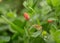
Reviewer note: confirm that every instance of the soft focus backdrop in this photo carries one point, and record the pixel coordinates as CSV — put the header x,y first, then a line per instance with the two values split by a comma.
x,y
29,21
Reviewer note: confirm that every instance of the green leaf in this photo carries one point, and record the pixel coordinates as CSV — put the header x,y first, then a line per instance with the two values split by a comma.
x,y
56,36
15,27
11,14
37,40
4,38
36,34
49,2
3,28
55,2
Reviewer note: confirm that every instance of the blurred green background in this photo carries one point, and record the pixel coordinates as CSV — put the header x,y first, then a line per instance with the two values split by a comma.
x,y
42,26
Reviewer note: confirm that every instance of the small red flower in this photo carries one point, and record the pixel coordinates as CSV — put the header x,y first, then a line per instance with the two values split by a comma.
x,y
26,16
50,21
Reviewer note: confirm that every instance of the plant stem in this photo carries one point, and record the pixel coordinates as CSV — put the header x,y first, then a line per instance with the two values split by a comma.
x,y
13,25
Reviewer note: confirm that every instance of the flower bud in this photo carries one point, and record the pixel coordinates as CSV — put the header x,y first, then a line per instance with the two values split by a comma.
x,y
26,16
50,21
44,33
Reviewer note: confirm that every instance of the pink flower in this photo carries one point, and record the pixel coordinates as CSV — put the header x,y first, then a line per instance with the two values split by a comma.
x,y
26,16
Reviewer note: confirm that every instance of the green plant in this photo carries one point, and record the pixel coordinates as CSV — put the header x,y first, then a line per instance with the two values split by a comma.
x,y
37,22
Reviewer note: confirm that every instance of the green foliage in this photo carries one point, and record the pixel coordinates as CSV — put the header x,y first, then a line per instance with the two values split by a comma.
x,y
43,25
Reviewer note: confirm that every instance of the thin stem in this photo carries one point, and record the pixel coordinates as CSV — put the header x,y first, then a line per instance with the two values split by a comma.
x,y
12,24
